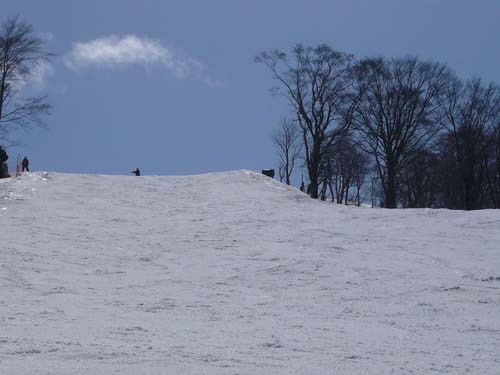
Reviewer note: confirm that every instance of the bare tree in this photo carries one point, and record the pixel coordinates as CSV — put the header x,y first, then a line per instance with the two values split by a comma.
x,y
337,171
286,140
21,50
344,167
399,113
494,166
472,112
317,83
361,168
420,180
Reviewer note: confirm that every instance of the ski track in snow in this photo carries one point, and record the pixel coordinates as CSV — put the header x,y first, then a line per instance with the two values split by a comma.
x,y
234,273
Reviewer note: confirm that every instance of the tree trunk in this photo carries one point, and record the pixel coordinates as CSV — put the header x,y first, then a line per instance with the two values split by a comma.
x,y
330,186
323,190
390,191
287,168
312,188
469,199
2,93
313,169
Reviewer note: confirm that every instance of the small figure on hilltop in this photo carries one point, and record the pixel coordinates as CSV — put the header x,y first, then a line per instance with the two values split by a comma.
x,y
137,172
25,163
4,169
3,155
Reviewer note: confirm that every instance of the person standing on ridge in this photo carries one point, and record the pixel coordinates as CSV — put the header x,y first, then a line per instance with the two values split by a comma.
x,y
25,163
4,169
137,172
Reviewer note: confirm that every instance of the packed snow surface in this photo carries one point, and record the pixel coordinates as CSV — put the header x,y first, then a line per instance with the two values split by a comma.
x,y
234,273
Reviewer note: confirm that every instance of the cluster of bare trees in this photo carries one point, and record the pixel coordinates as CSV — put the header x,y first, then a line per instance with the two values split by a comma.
x,y
429,138
343,172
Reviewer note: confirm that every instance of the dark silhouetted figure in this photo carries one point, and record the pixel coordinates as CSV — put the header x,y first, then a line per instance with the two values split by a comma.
x,y
4,169
137,172
3,155
25,163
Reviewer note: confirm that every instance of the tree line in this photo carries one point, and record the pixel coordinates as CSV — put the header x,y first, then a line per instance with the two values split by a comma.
x,y
421,135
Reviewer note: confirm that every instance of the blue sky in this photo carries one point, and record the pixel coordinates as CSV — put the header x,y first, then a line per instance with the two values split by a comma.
x,y
171,87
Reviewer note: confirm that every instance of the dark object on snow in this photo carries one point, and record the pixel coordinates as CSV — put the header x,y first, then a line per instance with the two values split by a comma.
x,y
268,172
3,155
25,163
4,170
137,172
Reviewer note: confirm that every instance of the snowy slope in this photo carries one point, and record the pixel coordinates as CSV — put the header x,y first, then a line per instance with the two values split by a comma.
x,y
233,273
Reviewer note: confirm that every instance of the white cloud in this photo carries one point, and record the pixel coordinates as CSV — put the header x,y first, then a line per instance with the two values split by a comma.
x,y
36,79
114,50
41,72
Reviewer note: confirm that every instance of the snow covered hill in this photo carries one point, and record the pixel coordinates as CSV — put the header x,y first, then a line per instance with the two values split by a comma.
x,y
234,273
